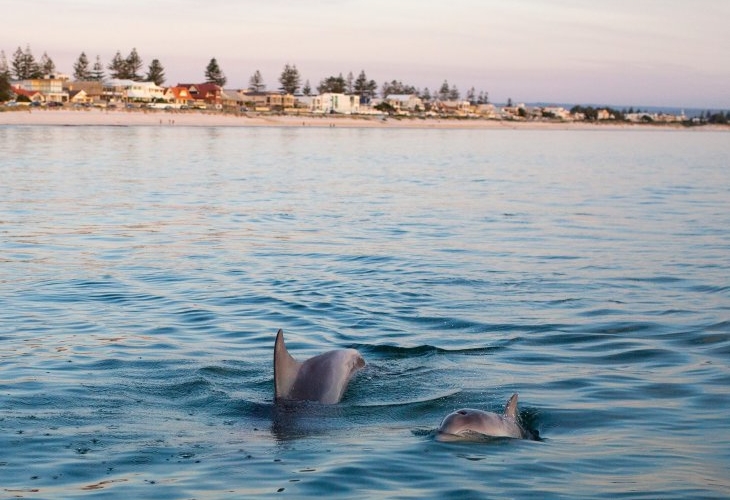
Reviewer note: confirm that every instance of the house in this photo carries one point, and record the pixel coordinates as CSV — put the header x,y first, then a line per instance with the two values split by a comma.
x,y
335,103
457,108
204,94
30,95
131,91
51,88
604,114
485,110
405,103
556,112
232,99
79,97
267,101
92,89
178,96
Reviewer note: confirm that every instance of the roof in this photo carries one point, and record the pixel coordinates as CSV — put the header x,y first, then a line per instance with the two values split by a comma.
x,y
26,93
401,97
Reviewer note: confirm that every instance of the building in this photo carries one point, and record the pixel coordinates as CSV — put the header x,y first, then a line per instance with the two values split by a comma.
x,y
456,108
405,103
178,96
28,96
267,101
93,89
128,91
204,94
50,88
334,103
79,97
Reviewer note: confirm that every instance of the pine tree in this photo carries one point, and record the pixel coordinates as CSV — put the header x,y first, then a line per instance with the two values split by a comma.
x,y
332,84
97,72
48,67
471,96
289,79
133,65
444,91
4,69
156,73
454,93
363,87
24,64
5,90
81,68
307,90
214,74
118,66
256,82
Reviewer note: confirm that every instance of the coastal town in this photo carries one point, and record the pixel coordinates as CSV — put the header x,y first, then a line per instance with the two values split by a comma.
x,y
60,92
33,84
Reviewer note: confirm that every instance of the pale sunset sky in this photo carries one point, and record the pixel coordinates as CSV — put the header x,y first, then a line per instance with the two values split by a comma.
x,y
613,52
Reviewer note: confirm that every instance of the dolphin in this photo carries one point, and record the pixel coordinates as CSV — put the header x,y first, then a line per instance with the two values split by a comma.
x,y
322,378
472,424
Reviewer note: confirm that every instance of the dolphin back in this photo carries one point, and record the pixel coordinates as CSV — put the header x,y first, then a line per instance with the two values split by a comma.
x,y
323,378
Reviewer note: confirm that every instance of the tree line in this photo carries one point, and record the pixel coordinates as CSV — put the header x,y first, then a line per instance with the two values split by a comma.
x,y
24,66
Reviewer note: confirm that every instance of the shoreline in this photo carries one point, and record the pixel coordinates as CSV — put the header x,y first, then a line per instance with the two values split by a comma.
x,y
137,117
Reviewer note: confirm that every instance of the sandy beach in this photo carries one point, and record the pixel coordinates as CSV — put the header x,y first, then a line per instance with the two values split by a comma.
x,y
136,117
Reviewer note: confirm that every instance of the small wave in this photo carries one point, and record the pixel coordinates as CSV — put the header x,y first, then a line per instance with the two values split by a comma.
x,y
391,351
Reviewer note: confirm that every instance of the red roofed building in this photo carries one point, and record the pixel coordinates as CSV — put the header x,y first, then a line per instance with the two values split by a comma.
x,y
203,93
178,95
31,95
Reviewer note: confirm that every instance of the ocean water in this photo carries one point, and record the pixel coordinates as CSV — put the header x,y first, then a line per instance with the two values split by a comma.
x,y
144,272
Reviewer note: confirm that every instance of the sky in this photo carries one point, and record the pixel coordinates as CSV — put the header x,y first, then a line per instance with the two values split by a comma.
x,y
609,52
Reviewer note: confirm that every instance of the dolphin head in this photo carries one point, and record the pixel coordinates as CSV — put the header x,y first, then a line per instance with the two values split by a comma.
x,y
467,423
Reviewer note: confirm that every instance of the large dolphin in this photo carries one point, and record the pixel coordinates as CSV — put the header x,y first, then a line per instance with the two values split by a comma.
x,y
469,424
322,378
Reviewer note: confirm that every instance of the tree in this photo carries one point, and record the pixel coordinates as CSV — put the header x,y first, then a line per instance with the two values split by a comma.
x,y
289,79
426,94
48,67
5,90
97,72
81,68
363,87
118,66
4,69
24,65
133,65
332,85
349,87
443,94
454,93
471,96
214,74
397,87
307,90
256,82
156,73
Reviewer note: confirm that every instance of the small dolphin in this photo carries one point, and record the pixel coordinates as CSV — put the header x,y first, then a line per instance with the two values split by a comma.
x,y
322,378
475,424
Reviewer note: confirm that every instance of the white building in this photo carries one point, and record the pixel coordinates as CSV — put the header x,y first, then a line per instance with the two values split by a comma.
x,y
334,103
131,91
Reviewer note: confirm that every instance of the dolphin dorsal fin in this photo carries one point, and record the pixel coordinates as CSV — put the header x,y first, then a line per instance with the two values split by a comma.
x,y
286,368
511,409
